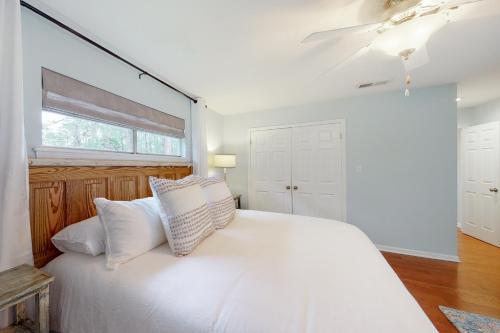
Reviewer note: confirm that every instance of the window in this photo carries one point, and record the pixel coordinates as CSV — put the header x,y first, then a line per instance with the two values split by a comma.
x,y
78,115
65,131
59,130
151,143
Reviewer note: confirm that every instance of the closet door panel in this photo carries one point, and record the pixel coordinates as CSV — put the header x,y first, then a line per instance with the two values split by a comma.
x,y
303,171
270,173
317,172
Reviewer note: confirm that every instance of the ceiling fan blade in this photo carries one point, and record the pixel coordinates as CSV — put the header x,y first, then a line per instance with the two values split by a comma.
x,y
361,47
457,3
347,60
337,33
462,15
382,10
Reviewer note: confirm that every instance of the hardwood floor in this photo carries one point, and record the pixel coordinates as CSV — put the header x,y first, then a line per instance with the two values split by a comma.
x,y
472,285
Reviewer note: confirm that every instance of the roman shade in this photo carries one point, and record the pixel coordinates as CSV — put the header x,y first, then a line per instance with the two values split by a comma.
x,y
64,94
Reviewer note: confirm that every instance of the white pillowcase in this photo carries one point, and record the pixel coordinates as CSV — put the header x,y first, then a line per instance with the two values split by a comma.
x,y
219,199
131,228
184,213
85,237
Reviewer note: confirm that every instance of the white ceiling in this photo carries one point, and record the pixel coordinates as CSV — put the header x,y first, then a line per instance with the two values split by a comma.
x,y
480,88
246,55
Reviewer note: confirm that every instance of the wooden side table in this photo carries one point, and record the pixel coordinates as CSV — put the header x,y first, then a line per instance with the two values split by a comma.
x,y
17,285
237,200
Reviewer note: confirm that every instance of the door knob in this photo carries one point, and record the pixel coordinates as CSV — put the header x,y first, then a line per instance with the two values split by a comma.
x,y
295,188
288,187
494,190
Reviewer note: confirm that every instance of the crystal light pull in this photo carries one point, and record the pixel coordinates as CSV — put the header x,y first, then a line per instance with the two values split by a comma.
x,y
407,83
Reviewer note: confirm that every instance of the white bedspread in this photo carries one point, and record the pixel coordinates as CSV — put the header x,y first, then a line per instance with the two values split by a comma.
x,y
265,272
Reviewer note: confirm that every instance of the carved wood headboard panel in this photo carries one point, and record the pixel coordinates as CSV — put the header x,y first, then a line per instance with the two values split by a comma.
x,y
62,195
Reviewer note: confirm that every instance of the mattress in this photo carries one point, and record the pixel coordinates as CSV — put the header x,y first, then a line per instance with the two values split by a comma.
x,y
265,272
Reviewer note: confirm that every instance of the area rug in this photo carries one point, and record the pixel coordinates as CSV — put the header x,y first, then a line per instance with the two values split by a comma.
x,y
468,322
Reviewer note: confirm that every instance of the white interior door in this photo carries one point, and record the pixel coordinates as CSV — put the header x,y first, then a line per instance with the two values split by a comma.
x,y
270,171
317,171
481,173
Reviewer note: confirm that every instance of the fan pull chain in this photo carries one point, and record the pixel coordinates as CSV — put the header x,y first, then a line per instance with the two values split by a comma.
x,y
407,83
405,55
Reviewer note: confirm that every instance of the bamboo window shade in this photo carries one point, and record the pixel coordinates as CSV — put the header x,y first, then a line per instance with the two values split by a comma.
x,y
64,94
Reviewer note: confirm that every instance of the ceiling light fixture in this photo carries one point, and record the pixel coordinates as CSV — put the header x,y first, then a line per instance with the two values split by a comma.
x,y
405,41
414,34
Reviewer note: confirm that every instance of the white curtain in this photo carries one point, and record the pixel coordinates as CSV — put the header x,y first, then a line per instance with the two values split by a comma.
x,y
199,138
15,236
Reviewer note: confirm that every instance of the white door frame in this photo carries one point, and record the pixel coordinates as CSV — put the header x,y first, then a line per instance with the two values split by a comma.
x,y
462,168
340,122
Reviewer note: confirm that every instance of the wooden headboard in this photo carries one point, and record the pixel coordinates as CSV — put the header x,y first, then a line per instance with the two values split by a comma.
x,y
62,195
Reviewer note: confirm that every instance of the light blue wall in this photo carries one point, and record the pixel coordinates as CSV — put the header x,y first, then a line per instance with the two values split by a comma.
x,y
406,194
46,45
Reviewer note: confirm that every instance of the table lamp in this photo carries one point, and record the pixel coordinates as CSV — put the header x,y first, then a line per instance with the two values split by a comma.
x,y
225,161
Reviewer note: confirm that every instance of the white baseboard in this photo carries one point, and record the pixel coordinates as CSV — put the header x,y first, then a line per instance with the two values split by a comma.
x,y
459,225
417,253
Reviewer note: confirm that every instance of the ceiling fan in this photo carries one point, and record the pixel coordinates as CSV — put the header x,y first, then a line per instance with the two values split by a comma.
x,y
427,16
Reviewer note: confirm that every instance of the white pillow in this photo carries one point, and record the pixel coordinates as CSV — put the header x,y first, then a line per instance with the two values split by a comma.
x,y
85,237
184,213
219,199
131,228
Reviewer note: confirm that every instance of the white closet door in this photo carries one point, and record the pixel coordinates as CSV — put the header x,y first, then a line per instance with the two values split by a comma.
x,y
481,200
270,172
317,171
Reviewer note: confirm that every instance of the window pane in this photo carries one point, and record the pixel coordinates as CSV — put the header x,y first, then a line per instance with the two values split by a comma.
x,y
150,143
60,130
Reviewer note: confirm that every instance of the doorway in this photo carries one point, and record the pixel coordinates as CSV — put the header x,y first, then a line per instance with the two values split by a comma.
x,y
479,167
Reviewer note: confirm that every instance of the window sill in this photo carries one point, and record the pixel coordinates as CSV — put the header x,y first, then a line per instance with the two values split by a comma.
x,y
80,157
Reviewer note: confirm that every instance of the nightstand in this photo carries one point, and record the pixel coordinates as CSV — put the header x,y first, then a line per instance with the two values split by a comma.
x,y
237,201
17,285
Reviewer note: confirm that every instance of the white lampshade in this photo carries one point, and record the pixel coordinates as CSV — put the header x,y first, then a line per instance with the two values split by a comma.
x,y
411,35
225,161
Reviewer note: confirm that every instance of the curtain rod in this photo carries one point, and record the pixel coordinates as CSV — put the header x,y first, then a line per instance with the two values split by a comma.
x,y
99,46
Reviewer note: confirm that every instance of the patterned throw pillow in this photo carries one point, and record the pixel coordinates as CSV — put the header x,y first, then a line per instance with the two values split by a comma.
x,y
184,213
219,198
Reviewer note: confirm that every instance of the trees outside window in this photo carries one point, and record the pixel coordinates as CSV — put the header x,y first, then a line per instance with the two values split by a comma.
x,y
61,130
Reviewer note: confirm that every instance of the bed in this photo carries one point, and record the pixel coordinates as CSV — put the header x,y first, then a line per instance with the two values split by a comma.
x,y
265,272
